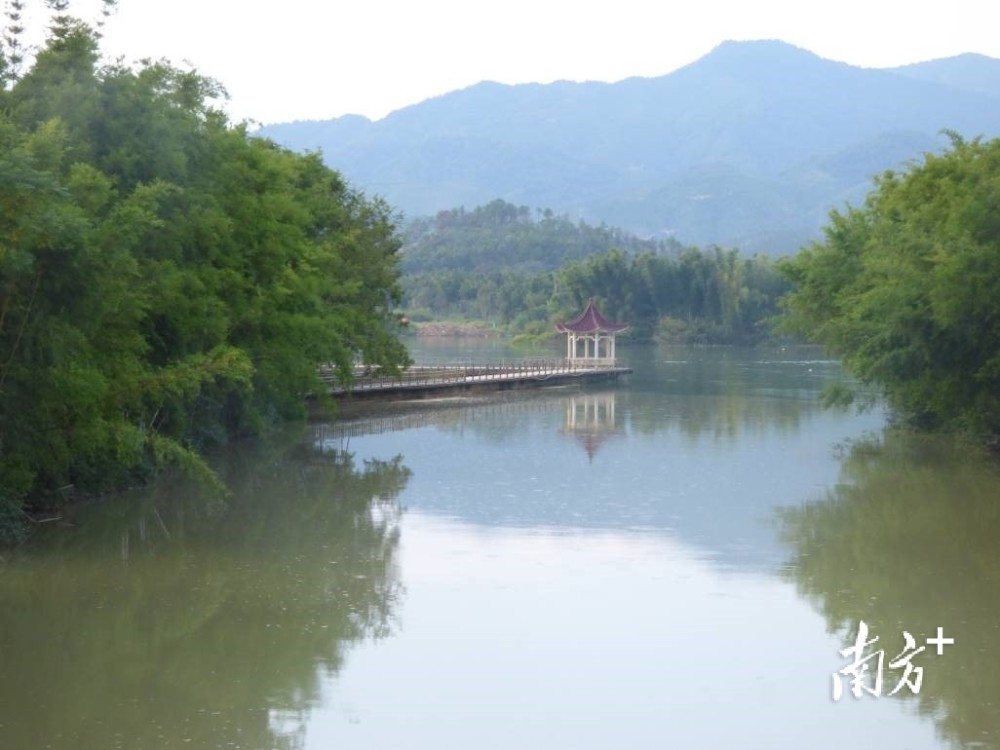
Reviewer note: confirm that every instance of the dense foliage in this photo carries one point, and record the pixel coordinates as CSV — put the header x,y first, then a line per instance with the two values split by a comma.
x,y
904,289
690,295
166,281
708,295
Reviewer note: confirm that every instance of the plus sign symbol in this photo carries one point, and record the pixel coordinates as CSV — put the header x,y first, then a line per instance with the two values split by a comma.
x,y
940,641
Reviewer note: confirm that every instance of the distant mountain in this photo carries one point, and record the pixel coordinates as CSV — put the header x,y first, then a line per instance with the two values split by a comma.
x,y
974,73
750,146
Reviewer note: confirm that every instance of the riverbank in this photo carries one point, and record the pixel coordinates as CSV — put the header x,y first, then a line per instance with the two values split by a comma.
x,y
434,329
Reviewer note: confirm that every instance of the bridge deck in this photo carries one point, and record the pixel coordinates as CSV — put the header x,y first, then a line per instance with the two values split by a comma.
x,y
418,380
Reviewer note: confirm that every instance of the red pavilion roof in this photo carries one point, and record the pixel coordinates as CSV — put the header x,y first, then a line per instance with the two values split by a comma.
x,y
590,321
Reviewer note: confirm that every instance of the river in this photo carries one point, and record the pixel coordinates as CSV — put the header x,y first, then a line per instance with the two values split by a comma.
x,y
684,559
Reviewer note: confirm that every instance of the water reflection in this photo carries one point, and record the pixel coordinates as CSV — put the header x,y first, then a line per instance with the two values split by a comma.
x,y
555,595
712,394
214,628
590,418
591,639
908,541
724,394
696,442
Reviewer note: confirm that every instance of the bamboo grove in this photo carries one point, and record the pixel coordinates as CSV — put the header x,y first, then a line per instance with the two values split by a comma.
x,y
167,282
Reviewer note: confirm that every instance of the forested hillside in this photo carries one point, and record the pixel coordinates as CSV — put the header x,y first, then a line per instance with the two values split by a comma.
x,y
166,281
519,270
501,235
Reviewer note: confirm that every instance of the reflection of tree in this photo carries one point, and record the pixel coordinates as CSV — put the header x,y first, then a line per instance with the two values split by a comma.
x,y
494,416
204,629
909,542
722,393
718,394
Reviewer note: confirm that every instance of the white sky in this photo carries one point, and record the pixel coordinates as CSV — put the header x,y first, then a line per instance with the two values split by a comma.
x,y
306,59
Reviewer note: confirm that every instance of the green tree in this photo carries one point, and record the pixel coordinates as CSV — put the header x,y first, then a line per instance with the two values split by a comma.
x,y
167,282
904,289
708,295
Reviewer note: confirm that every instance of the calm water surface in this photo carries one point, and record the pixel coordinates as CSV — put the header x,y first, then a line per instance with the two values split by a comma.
x,y
672,562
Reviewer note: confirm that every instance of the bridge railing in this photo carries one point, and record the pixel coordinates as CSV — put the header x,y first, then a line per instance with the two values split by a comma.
x,y
417,376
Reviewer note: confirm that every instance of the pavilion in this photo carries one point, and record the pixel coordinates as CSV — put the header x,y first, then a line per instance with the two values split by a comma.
x,y
595,332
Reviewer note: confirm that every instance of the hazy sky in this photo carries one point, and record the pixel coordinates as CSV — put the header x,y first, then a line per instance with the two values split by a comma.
x,y
306,59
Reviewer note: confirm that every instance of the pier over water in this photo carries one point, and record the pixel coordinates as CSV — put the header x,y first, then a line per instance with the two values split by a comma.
x,y
420,381
590,356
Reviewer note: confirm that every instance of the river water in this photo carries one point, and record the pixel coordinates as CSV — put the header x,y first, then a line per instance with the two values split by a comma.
x,y
675,561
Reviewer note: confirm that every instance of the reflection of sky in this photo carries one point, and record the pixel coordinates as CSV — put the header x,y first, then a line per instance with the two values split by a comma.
x,y
513,637
621,599
524,469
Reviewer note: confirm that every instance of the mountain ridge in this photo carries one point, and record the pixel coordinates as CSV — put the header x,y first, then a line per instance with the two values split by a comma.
x,y
762,113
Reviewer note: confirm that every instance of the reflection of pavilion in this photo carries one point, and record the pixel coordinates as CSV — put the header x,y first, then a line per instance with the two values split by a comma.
x,y
590,418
